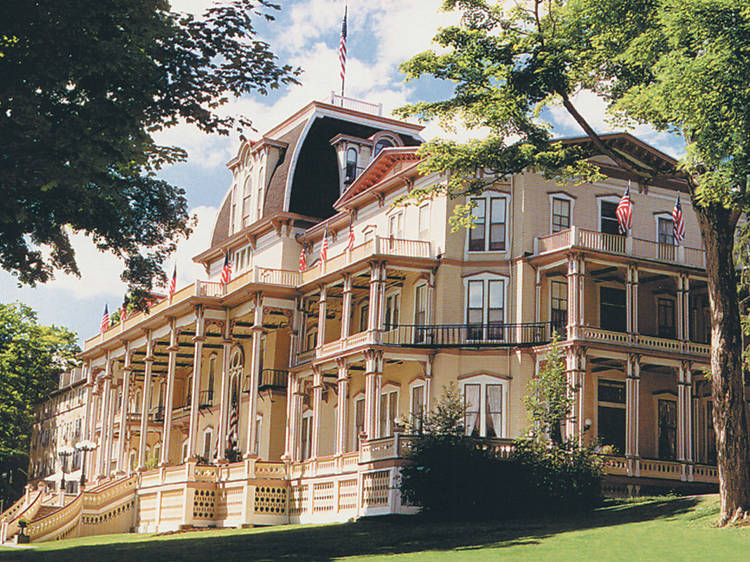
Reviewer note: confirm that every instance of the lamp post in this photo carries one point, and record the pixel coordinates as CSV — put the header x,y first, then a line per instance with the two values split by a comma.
x,y
84,446
64,453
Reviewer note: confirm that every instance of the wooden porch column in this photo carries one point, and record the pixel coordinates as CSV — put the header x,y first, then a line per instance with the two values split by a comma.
x,y
576,374
686,308
632,406
110,425
127,371
317,399
538,297
104,415
430,298
634,301
372,317
342,406
89,403
146,400
322,309
629,300
346,307
573,278
252,395
428,384
289,431
296,426
226,348
381,299
372,394
169,394
196,387
685,413
679,312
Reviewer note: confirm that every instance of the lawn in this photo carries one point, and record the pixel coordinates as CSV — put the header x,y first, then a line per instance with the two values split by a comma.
x,y
646,529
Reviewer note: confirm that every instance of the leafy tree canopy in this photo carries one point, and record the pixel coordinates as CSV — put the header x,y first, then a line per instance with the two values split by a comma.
x,y
32,356
681,66
85,86
548,400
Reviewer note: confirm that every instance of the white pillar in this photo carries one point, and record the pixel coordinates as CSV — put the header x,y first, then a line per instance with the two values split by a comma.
x,y
684,414
221,440
573,279
632,406
372,319
255,361
686,307
317,402
127,371
196,386
146,400
104,416
372,394
169,394
346,307
538,297
112,396
342,407
634,300
322,310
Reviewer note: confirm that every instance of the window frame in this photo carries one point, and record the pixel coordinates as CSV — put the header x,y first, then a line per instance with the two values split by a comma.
x,y
413,386
484,381
606,199
486,279
488,198
571,206
387,391
423,222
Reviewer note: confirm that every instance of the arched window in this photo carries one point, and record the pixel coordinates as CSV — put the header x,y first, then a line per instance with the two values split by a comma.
x,y
351,165
236,367
208,451
381,144
247,201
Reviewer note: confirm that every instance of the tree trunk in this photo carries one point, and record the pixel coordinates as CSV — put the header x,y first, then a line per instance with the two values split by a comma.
x,y
729,416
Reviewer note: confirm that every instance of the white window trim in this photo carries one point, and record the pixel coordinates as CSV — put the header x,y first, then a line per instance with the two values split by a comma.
x,y
484,380
661,215
429,220
599,200
392,293
307,414
387,390
549,294
357,397
487,195
212,445
416,383
484,277
564,197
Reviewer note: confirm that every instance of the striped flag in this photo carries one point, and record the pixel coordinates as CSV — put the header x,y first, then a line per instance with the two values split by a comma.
x,y
678,222
302,259
232,437
124,309
324,247
105,319
342,52
173,282
350,242
625,212
226,271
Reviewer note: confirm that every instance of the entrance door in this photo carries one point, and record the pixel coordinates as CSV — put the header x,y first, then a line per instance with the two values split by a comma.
x,y
667,430
611,414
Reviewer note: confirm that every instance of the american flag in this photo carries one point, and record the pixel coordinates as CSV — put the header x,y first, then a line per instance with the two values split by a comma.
x,y
625,212
105,319
124,309
302,259
226,271
342,51
678,222
233,422
324,247
173,282
350,243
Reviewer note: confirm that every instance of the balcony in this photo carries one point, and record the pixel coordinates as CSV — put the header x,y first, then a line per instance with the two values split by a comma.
x,y
392,247
651,343
270,379
467,335
585,239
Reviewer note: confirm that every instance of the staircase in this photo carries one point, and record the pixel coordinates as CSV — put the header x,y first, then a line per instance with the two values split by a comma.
x,y
108,507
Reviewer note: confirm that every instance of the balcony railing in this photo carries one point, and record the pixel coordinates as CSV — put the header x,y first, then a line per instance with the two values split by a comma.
x,y
270,379
467,335
576,237
655,343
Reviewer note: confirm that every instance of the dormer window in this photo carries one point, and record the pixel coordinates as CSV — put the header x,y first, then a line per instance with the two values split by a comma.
x,y
381,144
351,165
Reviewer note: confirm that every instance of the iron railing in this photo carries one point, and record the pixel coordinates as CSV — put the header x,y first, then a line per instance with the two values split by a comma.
x,y
467,335
269,379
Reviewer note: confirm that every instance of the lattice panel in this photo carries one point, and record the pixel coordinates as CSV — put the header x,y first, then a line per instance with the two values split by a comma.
x,y
348,494
323,497
375,488
270,500
298,500
204,504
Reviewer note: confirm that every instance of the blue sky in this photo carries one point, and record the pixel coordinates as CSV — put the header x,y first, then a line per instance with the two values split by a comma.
x,y
306,33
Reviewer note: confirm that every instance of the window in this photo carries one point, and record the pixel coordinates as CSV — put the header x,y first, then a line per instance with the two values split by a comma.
x,y
211,369
388,412
207,437
351,165
369,234
608,222
381,144
364,316
488,233
665,232
665,317
247,201
485,308
667,429
391,311
424,222
306,434
420,313
612,309
258,430
483,402
417,406
559,309
395,225
611,414
311,339
562,207
259,195
359,419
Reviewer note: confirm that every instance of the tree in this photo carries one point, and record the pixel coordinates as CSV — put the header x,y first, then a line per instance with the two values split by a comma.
x,y
86,84
548,399
681,66
32,356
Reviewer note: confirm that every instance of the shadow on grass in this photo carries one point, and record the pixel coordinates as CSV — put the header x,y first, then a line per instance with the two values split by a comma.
x,y
376,536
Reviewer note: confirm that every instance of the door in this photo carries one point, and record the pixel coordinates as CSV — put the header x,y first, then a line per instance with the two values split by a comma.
x,y
667,429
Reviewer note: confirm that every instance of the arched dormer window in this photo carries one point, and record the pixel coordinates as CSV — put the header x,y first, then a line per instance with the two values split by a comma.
x,y
351,165
381,144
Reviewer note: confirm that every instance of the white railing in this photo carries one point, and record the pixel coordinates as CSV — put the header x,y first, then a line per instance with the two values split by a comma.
x,y
593,334
355,104
277,276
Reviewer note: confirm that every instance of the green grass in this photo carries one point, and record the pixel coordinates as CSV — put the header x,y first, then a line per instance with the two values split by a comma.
x,y
659,528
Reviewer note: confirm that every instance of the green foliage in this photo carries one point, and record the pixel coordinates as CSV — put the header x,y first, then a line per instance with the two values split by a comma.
x,y
86,86
152,461
447,418
32,356
548,398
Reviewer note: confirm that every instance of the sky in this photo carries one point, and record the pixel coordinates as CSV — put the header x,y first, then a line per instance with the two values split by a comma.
x,y
305,33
